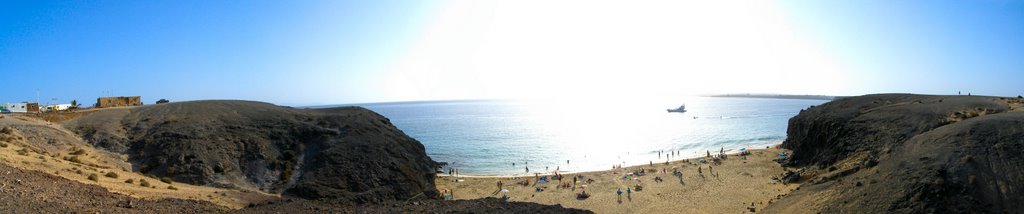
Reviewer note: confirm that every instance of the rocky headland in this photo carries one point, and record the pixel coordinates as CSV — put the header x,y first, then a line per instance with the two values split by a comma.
x,y
904,153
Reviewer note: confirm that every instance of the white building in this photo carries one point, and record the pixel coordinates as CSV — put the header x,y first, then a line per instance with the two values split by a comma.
x,y
58,107
20,107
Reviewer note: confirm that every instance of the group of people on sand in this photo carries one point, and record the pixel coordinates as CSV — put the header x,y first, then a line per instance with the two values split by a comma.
x,y
577,180
629,194
447,194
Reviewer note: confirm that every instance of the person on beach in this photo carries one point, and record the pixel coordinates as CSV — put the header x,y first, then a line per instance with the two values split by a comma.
x,y
527,169
629,194
499,186
651,163
700,172
619,192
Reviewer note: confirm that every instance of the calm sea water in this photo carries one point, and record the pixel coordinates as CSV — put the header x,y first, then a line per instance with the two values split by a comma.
x,y
487,137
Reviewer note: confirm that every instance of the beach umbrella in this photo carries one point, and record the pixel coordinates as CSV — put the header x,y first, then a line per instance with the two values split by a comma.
x,y
743,149
504,190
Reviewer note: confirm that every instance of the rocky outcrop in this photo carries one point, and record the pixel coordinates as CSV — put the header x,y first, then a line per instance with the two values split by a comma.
x,y
907,154
348,153
828,133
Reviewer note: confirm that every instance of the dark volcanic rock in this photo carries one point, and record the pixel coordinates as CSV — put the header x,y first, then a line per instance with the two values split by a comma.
x,y
908,154
347,153
828,133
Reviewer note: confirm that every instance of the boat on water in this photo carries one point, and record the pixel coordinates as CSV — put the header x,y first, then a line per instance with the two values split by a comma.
x,y
681,109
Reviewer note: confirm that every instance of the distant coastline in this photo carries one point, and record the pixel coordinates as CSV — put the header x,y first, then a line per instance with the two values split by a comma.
x,y
779,96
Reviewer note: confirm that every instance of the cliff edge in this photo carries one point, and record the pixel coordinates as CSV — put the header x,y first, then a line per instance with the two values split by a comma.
x,y
907,153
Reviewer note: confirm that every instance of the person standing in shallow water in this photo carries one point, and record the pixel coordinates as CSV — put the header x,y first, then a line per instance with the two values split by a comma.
x,y
527,169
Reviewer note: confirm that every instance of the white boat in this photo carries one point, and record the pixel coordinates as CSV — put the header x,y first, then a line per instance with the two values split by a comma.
x,y
681,109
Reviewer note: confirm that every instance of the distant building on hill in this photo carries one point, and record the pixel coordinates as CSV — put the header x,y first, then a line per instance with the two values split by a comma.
x,y
104,102
58,107
25,107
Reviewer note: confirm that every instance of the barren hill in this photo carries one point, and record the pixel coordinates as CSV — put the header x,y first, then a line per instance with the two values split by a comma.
x,y
908,154
345,153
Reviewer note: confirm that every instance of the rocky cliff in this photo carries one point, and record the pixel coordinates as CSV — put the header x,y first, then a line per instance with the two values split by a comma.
x,y
907,154
349,154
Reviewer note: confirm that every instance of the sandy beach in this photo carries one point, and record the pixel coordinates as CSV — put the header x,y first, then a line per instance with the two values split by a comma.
x,y
733,186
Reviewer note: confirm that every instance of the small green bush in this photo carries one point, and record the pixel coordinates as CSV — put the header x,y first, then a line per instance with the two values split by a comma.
x,y
111,175
129,181
94,177
172,188
4,145
143,183
166,180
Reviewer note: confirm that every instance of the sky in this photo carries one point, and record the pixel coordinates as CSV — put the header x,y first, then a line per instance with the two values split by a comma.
x,y
304,53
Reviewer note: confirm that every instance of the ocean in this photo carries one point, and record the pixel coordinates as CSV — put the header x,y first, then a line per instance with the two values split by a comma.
x,y
485,137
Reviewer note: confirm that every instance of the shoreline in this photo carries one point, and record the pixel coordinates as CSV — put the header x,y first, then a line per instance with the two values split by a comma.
x,y
728,152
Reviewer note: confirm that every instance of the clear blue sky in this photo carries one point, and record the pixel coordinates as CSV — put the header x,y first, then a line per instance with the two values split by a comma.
x,y
328,52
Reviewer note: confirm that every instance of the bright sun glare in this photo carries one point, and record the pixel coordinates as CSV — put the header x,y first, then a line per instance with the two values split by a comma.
x,y
517,49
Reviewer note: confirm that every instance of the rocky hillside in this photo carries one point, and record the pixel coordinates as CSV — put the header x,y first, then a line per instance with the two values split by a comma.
x,y
348,154
907,154
26,191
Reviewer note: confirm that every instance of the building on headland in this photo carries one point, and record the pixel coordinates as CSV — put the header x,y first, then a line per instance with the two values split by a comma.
x,y
58,107
104,102
25,107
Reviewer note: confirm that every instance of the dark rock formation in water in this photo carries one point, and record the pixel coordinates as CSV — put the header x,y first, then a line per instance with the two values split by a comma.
x,y
907,154
347,153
